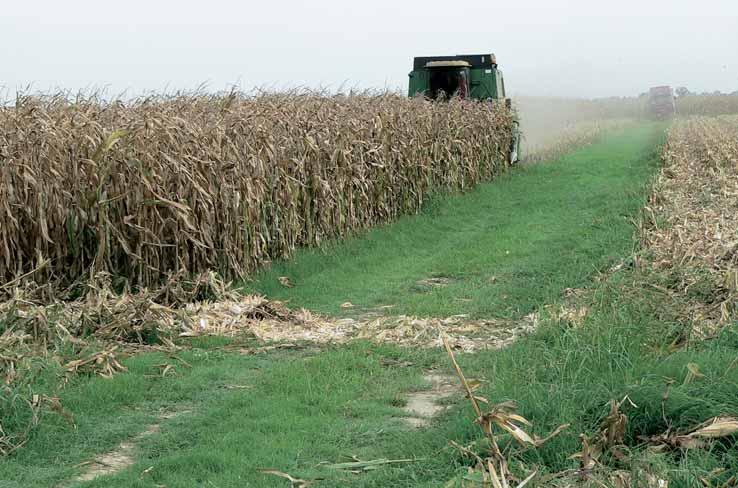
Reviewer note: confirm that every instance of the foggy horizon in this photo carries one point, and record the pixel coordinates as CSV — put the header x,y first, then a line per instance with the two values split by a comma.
x,y
567,49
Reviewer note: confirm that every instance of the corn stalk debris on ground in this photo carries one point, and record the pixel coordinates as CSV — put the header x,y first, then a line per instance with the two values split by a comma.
x,y
690,228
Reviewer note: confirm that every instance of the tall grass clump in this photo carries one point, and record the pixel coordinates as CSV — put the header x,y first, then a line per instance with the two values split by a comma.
x,y
144,188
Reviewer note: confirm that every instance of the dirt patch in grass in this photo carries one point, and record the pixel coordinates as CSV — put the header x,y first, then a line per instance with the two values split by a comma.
x,y
435,282
123,456
117,460
423,405
432,283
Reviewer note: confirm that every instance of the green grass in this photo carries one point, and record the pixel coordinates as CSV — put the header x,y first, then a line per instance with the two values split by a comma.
x,y
237,413
564,374
506,246
293,410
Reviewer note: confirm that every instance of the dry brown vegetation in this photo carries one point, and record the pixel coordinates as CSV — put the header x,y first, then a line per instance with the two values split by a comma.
x,y
717,104
193,183
693,225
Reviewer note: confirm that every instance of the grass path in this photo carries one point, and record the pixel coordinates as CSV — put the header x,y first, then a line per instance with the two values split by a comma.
x,y
503,248
294,410
234,414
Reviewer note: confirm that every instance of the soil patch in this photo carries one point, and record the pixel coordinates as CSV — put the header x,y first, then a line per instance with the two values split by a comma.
x,y
431,283
123,456
117,460
423,405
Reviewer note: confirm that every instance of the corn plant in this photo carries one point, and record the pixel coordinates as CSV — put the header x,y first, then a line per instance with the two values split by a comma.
x,y
188,183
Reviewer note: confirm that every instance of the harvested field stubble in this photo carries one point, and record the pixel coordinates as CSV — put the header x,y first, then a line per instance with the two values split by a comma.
x,y
195,183
692,221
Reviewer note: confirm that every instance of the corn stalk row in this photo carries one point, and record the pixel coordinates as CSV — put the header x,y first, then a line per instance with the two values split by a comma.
x,y
143,189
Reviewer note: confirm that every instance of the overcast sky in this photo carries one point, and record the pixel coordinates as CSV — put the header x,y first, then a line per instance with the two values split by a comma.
x,y
583,48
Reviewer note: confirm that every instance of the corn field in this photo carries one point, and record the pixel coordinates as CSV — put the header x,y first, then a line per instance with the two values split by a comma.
x,y
707,105
189,183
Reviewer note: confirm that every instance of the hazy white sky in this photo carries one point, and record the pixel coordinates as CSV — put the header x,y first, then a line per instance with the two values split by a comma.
x,y
569,48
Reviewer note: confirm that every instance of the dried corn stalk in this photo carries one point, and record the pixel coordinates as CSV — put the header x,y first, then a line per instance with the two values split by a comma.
x,y
691,227
194,182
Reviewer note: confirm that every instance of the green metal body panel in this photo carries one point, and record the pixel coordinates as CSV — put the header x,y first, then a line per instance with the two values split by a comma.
x,y
485,84
419,82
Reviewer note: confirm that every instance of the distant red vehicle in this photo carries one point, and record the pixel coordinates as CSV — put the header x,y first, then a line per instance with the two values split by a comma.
x,y
661,102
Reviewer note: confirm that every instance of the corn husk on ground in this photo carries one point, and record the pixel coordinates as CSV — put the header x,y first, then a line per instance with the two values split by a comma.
x,y
195,183
208,307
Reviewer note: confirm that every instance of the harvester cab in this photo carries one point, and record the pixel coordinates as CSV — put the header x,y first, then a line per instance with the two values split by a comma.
x,y
472,76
